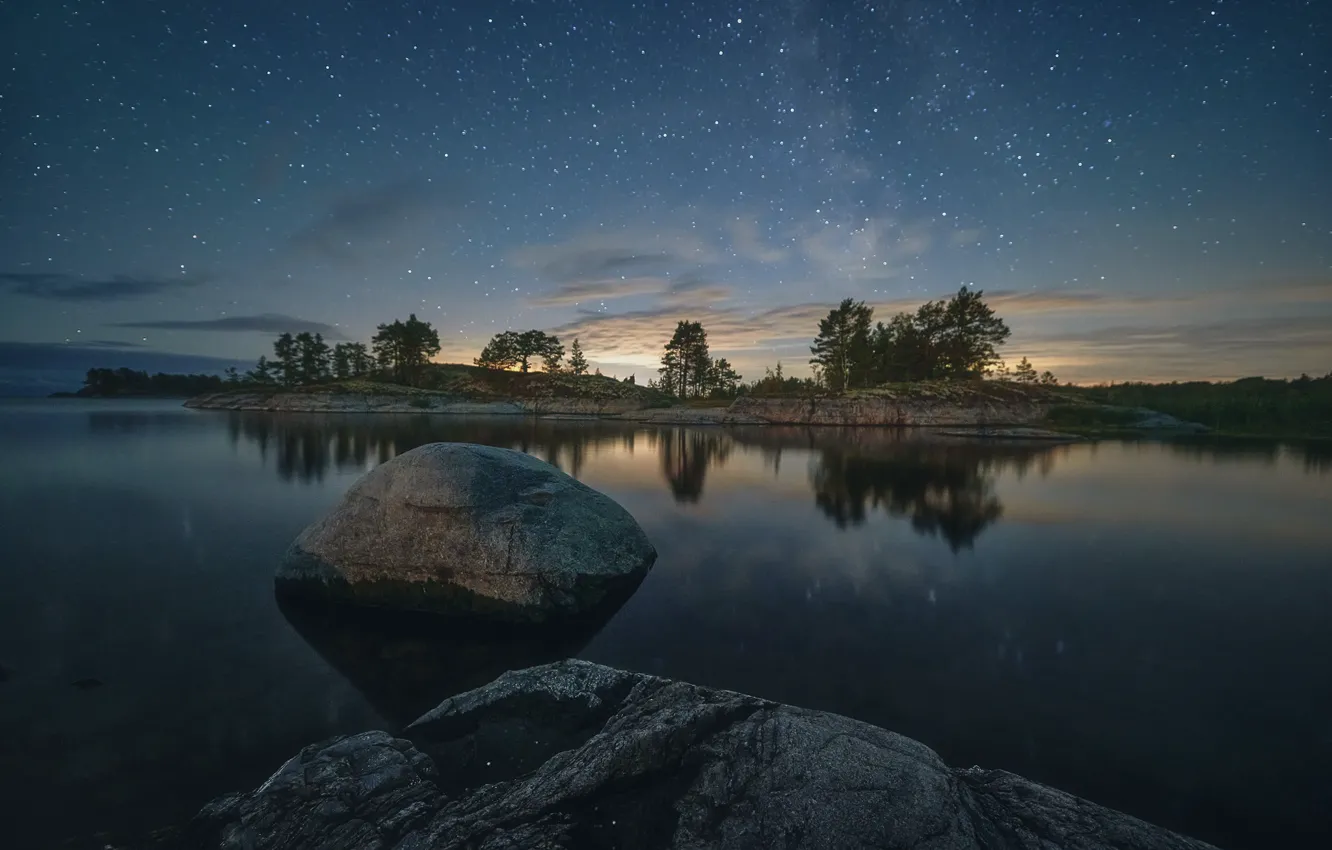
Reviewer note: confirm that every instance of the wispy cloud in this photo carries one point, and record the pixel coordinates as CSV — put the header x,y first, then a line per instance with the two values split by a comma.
x,y
580,292
599,263
265,323
1273,346
28,357
870,249
601,267
65,287
362,223
748,244
965,236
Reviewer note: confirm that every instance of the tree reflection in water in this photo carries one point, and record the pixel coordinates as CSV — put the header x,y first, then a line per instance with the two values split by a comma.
x,y
945,490
686,455
306,447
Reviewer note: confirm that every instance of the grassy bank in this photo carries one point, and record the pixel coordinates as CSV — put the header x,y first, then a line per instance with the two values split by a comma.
x,y
1257,407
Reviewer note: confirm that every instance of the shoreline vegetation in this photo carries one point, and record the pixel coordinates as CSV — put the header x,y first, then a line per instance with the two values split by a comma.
x,y
937,366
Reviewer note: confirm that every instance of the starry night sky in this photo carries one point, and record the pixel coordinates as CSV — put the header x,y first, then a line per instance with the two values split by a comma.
x,y
1143,189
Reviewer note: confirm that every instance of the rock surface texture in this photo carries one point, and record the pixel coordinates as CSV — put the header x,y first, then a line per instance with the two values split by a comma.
x,y
970,409
415,403
455,528
575,755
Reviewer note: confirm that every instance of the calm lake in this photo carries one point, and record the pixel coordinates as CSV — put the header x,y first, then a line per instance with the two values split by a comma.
x,y
1148,625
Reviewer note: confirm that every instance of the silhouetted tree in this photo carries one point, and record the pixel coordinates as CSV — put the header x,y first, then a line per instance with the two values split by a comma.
x,y
341,362
723,380
549,349
1024,373
577,362
775,383
905,348
262,373
957,338
970,335
128,382
312,357
842,348
501,352
359,359
510,348
405,347
685,362
288,360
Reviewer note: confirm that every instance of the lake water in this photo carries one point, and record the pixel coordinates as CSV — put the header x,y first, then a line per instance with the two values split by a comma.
x,y
1148,625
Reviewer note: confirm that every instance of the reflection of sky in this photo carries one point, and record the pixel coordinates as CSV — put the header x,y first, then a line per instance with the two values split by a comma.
x,y
1117,631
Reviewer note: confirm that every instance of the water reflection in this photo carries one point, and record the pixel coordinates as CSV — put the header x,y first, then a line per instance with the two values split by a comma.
x,y
686,456
944,487
404,668
305,448
945,490
1137,627
1212,449
1318,456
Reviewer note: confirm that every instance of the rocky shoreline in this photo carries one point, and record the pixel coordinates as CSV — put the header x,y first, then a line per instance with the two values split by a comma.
x,y
574,754
970,409
975,411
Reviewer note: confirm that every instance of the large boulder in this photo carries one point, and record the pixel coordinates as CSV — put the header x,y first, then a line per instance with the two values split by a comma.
x,y
455,528
576,755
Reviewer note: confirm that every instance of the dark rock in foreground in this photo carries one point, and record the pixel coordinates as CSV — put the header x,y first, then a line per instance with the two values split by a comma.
x,y
455,528
575,755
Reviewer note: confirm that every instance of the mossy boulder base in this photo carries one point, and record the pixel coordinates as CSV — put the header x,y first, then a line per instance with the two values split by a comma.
x,y
455,528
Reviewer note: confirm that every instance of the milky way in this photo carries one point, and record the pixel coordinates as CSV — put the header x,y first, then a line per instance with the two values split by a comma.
x,y
1142,187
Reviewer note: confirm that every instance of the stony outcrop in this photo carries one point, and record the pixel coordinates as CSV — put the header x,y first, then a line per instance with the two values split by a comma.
x,y
961,406
409,402
575,755
455,528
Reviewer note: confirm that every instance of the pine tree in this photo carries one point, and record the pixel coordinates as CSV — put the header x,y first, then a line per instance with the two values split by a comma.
x,y
685,363
405,348
262,373
342,361
971,336
577,362
723,380
288,364
842,348
1025,373
359,359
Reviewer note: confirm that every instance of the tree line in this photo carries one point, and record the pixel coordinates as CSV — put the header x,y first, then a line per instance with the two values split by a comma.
x,y
103,383
942,340
956,338
512,349
1299,407
399,350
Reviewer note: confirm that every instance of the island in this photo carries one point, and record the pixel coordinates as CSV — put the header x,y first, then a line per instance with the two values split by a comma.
x,y
994,409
